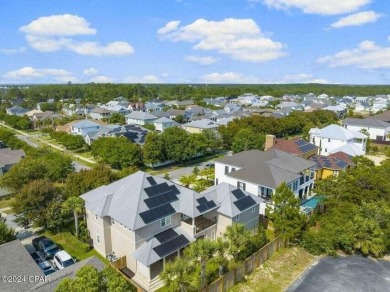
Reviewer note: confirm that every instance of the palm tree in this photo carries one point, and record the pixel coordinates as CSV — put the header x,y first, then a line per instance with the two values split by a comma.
x,y
202,250
221,247
237,236
187,180
76,205
178,275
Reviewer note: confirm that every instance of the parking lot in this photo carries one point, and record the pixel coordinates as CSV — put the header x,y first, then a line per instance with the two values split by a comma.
x,y
347,274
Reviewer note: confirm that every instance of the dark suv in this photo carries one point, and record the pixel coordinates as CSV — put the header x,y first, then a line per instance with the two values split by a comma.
x,y
45,247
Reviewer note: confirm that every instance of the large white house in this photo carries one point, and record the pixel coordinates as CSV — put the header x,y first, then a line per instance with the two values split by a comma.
x,y
334,138
377,130
261,172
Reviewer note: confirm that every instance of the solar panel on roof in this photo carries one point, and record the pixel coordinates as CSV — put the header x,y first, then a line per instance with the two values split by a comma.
x,y
300,142
151,181
206,206
326,164
157,189
245,203
166,235
202,200
238,194
307,147
342,163
171,246
155,201
157,213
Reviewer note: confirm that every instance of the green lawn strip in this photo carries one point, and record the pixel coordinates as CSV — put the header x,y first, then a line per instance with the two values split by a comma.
x,y
6,201
8,211
77,249
279,272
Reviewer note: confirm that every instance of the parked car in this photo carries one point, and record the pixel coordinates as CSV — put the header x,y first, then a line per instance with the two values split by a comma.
x,y
35,256
209,165
45,247
46,267
62,260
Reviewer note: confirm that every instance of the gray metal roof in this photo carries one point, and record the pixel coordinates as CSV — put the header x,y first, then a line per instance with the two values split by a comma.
x,y
140,116
369,122
222,195
10,157
146,254
16,261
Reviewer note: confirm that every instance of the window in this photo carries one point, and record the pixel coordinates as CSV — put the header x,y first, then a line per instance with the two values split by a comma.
x,y
226,169
233,169
295,185
97,238
212,236
241,185
96,217
326,149
112,221
165,221
253,209
237,217
336,173
329,140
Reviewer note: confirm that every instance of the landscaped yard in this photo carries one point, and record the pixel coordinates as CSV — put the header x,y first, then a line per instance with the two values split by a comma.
x,y
278,272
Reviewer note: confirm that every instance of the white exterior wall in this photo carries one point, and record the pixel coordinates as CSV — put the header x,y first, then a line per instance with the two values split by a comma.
x,y
374,132
96,228
326,144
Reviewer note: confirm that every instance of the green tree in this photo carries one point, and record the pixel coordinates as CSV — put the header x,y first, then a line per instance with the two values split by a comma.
x,y
187,180
32,202
6,233
285,214
119,152
115,282
74,204
202,250
179,277
247,139
78,183
117,118
175,144
237,236
153,149
87,278
221,249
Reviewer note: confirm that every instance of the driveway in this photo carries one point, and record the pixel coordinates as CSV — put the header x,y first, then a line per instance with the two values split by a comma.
x,y
346,274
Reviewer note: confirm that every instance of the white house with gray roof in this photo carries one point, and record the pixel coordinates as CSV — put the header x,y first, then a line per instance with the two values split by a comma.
x,y
261,172
150,220
334,138
377,129
140,118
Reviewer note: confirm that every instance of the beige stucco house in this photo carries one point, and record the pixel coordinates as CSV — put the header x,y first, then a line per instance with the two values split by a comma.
x,y
150,220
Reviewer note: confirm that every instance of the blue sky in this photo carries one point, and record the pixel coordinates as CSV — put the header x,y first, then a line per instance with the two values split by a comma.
x,y
195,41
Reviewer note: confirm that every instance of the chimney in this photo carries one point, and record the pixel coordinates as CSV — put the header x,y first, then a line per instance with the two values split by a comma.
x,y
269,141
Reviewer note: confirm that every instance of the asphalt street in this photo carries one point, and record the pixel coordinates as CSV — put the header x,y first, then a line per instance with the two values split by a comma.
x,y
346,274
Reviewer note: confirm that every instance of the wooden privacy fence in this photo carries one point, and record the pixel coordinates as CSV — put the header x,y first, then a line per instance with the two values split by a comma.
x,y
232,277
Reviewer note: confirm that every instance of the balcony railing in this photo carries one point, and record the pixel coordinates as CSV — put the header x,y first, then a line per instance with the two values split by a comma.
x,y
201,223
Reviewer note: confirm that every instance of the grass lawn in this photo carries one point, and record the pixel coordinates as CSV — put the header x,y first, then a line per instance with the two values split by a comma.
x,y
76,248
278,272
6,201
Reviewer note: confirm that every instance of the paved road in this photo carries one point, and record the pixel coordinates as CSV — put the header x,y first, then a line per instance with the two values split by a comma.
x,y
346,274
175,175
27,140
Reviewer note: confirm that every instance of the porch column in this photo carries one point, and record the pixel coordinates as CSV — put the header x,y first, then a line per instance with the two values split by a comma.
x,y
193,227
163,263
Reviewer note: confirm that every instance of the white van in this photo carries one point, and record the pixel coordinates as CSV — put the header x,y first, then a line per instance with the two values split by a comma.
x,y
62,260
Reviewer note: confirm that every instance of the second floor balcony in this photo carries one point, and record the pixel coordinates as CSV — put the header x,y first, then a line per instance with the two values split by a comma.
x,y
199,223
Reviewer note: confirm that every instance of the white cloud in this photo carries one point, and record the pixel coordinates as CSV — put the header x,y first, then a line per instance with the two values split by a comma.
x,y
303,78
230,77
324,7
238,78
90,71
367,55
143,79
240,39
58,25
12,51
29,73
54,33
102,79
201,60
357,19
